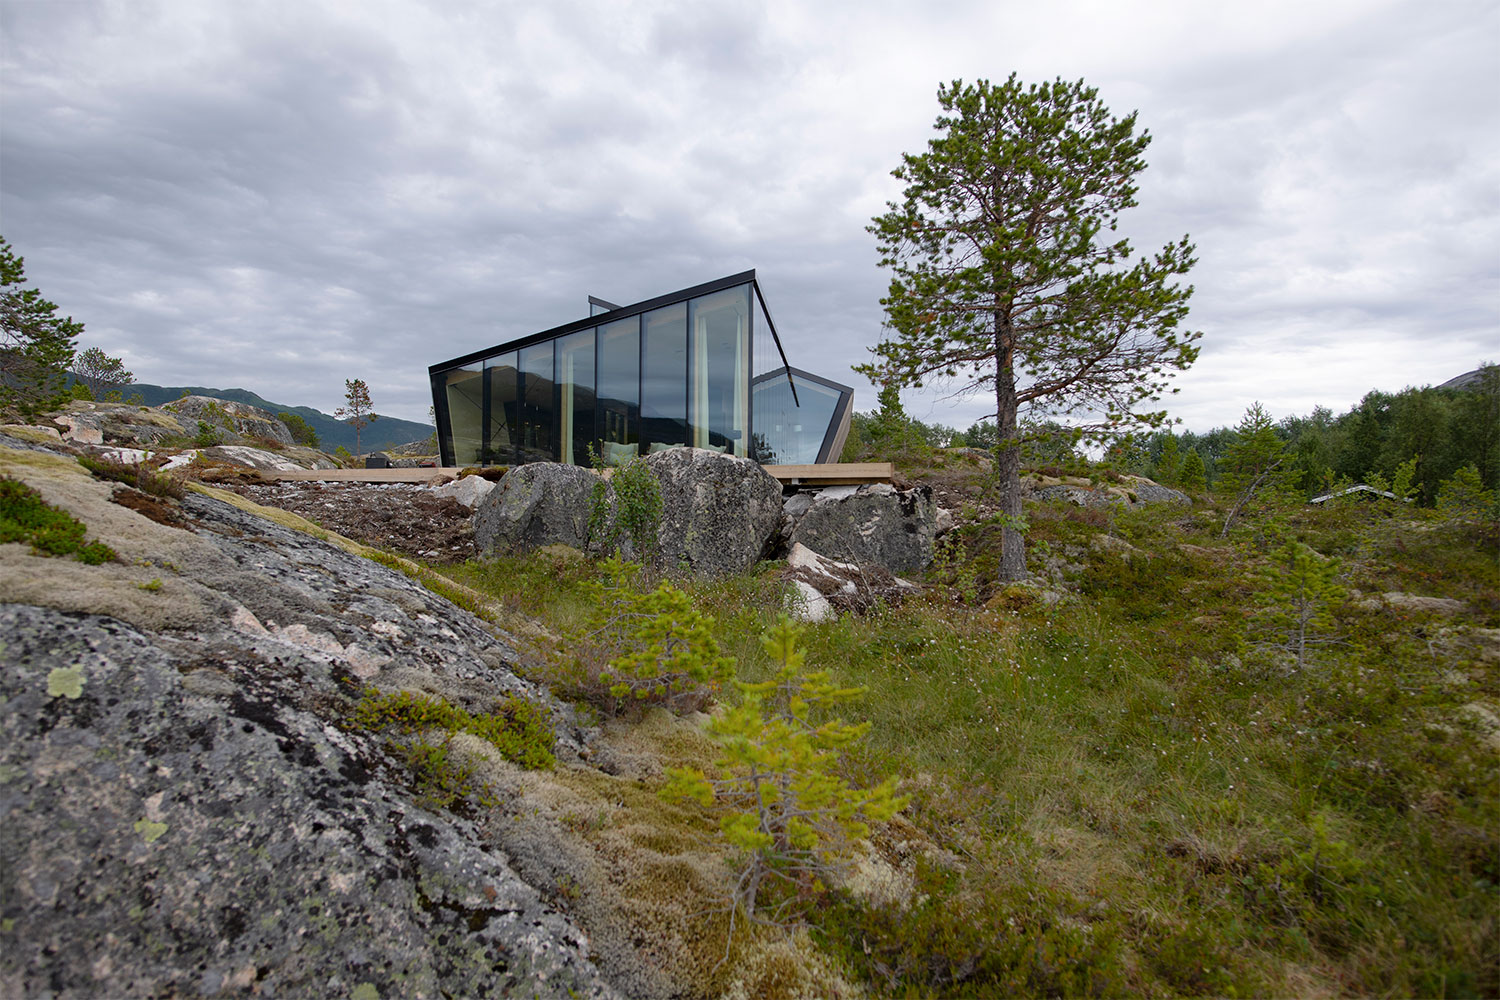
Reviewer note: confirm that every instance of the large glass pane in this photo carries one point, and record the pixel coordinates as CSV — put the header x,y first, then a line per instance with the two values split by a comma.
x,y
575,380
464,391
664,378
537,406
788,434
719,401
620,390
499,428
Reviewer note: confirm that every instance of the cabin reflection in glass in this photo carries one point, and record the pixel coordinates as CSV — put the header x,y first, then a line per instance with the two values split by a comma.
x,y
674,371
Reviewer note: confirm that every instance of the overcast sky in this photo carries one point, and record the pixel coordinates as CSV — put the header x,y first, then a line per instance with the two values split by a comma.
x,y
282,195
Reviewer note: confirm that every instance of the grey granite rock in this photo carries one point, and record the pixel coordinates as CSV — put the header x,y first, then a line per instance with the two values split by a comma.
x,y
241,420
719,513
184,811
875,525
544,503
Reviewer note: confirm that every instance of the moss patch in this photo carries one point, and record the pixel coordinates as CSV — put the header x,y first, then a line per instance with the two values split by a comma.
x,y
26,517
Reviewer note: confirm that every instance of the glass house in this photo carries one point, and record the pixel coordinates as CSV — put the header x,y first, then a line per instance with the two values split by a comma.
x,y
679,370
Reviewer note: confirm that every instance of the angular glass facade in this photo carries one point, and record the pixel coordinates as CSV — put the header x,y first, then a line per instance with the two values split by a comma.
x,y
670,372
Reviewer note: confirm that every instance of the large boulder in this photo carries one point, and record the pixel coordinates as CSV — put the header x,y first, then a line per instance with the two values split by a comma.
x,y
1130,491
874,525
719,512
543,503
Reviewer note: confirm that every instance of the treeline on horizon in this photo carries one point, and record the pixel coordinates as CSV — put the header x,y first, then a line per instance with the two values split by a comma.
x,y
1444,430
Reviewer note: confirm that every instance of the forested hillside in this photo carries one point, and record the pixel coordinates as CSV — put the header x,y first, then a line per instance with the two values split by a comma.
x,y
386,432
1437,429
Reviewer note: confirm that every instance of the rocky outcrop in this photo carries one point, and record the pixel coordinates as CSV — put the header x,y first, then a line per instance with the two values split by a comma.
x,y
545,503
188,811
239,419
874,525
117,423
823,587
719,513
1130,491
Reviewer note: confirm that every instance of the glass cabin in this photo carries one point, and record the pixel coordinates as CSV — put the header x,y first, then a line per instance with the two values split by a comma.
x,y
678,370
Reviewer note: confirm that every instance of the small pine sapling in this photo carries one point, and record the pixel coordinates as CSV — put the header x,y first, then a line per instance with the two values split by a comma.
x,y
788,811
1192,477
1301,588
647,648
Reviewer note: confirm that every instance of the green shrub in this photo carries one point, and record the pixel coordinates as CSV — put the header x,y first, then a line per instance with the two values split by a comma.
x,y
300,429
649,647
208,435
140,476
440,781
26,517
787,810
637,509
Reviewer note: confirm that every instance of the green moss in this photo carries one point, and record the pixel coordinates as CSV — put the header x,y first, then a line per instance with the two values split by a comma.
x,y
519,729
26,517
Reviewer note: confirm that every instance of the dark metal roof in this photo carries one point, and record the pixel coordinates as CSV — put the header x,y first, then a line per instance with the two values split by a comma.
x,y
623,312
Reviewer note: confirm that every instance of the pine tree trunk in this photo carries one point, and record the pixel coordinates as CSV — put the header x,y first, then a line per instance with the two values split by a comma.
x,y
1008,453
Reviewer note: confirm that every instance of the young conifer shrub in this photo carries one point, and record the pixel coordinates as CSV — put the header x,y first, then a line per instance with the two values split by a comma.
x,y
647,647
1301,588
785,807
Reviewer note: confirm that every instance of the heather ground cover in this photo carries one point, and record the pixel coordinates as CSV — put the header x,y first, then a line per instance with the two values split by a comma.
x,y
1125,780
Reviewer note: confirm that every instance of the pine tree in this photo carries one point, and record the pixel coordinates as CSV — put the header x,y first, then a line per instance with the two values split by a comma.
x,y
1301,587
1169,465
100,372
358,408
36,345
1256,474
1191,478
1006,272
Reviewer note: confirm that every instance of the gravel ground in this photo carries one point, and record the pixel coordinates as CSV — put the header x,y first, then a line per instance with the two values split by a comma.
x,y
399,517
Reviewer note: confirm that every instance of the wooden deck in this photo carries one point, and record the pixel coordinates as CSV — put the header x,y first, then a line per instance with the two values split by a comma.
x,y
833,474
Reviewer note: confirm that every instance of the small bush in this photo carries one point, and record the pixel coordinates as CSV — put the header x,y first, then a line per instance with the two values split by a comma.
x,y
637,509
26,517
788,810
645,648
208,435
300,429
141,476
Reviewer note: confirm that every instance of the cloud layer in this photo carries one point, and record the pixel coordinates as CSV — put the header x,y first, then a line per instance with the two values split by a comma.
x,y
284,195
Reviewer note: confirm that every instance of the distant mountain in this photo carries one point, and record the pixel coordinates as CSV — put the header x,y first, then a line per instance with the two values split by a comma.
x,y
1468,380
384,433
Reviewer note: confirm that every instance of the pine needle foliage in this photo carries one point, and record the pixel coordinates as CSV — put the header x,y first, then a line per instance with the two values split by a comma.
x,y
1302,588
647,647
787,809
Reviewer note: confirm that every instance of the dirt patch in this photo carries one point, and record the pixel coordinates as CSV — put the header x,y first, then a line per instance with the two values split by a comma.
x,y
149,506
398,517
